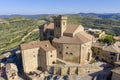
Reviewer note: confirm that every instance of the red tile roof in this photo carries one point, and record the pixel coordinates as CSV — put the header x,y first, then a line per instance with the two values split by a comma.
x,y
45,45
79,38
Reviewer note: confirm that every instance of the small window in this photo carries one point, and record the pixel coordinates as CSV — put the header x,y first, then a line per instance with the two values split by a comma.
x,y
71,53
98,51
59,24
66,52
67,47
112,54
58,46
111,58
94,53
60,52
51,55
33,55
12,77
53,62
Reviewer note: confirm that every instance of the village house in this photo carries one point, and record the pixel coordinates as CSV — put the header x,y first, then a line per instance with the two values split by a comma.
x,y
37,55
108,53
96,33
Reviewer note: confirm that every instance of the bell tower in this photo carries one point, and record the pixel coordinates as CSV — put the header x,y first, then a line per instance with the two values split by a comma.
x,y
60,25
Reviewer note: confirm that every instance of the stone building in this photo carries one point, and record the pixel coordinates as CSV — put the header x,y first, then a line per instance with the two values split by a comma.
x,y
96,33
37,55
71,41
30,56
46,31
12,72
47,55
108,53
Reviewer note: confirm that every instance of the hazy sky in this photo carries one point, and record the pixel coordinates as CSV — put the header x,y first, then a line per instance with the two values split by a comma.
x,y
58,6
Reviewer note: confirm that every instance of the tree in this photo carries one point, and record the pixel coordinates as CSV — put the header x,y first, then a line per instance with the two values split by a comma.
x,y
107,39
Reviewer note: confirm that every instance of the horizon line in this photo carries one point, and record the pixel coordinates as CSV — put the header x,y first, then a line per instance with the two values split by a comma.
x,y
62,13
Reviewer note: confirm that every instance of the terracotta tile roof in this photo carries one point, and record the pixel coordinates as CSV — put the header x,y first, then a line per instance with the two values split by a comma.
x,y
45,45
111,48
30,45
84,36
71,28
116,46
65,39
79,38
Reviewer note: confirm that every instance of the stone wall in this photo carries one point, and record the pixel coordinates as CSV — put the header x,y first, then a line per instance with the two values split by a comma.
x,y
71,52
71,70
115,76
30,59
77,53
47,58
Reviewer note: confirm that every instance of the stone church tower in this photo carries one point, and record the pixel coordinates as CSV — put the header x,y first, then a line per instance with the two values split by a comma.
x,y
60,25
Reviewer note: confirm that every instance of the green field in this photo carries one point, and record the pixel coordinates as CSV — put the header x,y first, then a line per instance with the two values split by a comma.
x,y
12,30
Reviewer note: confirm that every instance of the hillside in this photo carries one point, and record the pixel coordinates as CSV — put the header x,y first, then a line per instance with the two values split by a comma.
x,y
13,29
109,25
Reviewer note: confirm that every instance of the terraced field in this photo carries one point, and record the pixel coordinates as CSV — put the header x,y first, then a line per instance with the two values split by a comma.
x,y
12,30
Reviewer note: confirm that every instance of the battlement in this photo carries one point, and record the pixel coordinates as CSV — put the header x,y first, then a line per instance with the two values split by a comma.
x,y
60,17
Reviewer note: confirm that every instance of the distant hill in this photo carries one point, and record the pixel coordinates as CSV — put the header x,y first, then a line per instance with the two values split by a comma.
x,y
104,15
27,16
95,15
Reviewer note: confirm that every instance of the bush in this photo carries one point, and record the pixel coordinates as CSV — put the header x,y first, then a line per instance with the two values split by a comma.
x,y
92,61
107,39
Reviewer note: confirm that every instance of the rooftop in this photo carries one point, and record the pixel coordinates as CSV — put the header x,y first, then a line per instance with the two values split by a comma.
x,y
71,28
79,38
116,70
30,45
45,45
112,48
